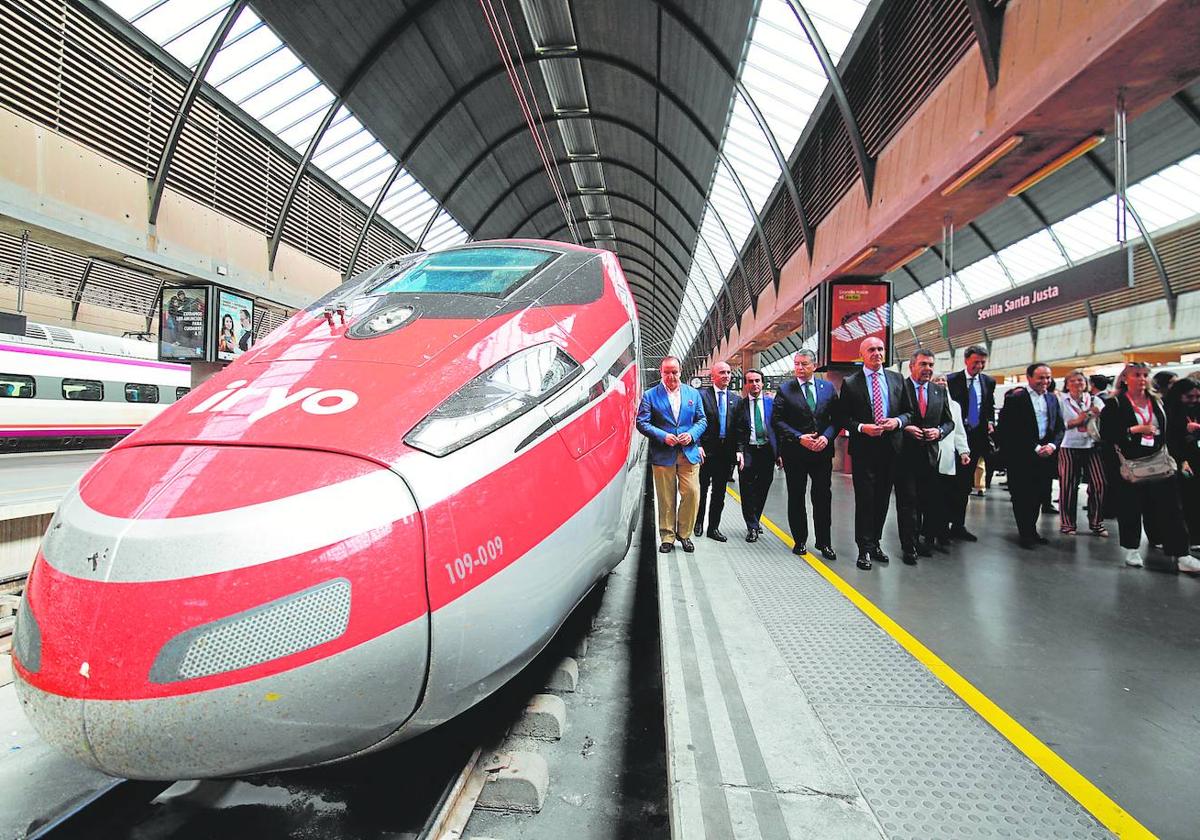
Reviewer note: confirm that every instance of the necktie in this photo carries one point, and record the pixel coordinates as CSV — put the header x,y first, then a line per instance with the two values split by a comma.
x,y
921,399
809,397
721,411
972,404
759,432
876,398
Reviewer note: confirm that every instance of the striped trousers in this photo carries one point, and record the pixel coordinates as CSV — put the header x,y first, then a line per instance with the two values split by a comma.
x,y
1075,465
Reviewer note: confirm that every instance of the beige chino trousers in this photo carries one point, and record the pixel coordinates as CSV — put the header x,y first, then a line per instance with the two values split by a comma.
x,y
677,489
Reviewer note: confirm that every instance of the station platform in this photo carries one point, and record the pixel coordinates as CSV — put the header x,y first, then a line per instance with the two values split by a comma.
x,y
798,706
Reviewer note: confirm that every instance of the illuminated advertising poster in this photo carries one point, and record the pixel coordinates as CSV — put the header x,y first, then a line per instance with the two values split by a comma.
x,y
235,325
857,309
183,334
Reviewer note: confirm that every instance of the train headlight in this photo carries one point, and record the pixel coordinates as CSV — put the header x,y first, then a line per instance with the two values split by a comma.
x,y
381,322
497,396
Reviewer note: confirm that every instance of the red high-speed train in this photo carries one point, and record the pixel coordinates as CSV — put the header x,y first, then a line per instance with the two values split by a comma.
x,y
353,533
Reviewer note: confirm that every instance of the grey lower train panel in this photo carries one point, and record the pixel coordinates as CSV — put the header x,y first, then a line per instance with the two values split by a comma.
x,y
320,712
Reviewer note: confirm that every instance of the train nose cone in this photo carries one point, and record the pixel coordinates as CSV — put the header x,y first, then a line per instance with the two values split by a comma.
x,y
206,611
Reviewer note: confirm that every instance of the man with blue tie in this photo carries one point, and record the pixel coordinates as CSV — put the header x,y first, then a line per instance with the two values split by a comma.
x,y
716,449
975,393
805,428
671,416
756,452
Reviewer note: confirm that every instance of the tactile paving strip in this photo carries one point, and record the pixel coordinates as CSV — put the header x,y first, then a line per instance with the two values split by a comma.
x,y
942,773
928,766
837,654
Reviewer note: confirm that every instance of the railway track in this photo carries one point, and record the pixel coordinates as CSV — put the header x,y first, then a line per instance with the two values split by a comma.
x,y
424,789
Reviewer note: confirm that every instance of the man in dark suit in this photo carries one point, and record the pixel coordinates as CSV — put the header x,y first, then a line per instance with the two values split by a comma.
x,y
671,417
929,421
805,428
756,452
872,409
716,449
1031,430
975,393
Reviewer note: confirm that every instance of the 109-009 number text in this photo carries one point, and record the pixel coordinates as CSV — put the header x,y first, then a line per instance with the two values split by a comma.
x,y
463,567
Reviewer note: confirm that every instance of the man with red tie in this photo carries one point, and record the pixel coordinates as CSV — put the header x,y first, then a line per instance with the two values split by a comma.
x,y
873,411
916,477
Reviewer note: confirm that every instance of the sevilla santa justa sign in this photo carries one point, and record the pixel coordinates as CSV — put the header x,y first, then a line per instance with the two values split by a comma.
x,y
1106,273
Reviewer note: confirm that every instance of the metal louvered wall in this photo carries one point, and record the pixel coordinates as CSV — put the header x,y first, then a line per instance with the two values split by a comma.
x,y
63,68
906,52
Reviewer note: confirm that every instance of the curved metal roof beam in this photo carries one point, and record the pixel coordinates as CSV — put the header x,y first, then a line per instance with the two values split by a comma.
x,y
482,78
1163,279
987,243
678,287
638,203
866,164
185,108
360,72
362,233
648,209
701,37
1041,217
987,19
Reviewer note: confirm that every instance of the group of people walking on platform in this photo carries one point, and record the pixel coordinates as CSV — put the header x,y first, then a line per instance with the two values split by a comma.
x,y
921,437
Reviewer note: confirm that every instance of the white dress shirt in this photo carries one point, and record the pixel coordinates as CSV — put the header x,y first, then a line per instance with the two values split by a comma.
x,y
763,408
675,398
1041,412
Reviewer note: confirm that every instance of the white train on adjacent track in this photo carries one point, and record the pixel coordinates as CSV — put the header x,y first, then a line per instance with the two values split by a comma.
x,y
63,389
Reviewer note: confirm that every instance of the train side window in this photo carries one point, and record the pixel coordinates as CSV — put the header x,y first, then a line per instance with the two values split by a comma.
x,y
82,389
180,393
17,385
141,393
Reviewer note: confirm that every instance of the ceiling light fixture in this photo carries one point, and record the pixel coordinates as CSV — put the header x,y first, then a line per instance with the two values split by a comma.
x,y
982,164
1057,164
861,258
905,260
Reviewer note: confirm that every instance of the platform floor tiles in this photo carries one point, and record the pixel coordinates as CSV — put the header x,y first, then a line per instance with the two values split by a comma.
x,y
791,714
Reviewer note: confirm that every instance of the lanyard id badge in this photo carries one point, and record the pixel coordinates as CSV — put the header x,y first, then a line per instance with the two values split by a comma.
x,y
1147,440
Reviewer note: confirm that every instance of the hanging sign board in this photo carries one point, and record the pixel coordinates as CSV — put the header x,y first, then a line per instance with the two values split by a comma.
x,y
858,309
1106,273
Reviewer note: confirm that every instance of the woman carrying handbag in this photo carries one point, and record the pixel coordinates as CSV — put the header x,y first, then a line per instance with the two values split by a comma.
x,y
1135,423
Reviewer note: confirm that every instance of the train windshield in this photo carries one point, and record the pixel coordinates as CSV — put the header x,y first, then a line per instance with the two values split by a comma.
x,y
473,271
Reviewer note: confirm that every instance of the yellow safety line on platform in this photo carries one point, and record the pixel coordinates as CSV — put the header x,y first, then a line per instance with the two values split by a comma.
x,y
1115,818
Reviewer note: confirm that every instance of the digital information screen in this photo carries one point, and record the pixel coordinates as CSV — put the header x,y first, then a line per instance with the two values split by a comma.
x,y
183,324
235,325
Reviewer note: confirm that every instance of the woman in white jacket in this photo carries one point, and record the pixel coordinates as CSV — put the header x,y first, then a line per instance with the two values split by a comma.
x,y
953,449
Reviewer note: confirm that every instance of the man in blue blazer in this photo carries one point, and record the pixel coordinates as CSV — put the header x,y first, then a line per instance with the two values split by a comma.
x,y
672,417
756,452
804,423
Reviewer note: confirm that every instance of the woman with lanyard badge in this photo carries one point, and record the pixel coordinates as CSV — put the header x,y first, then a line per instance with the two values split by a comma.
x,y
1134,422
1079,457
